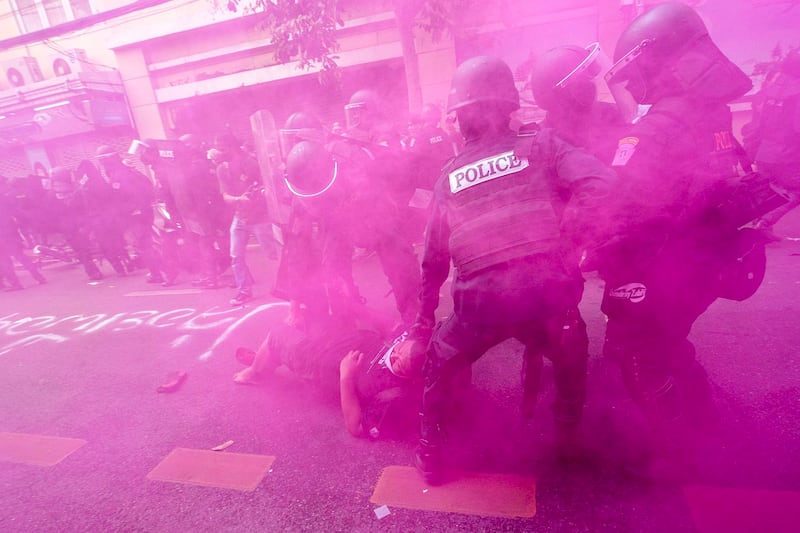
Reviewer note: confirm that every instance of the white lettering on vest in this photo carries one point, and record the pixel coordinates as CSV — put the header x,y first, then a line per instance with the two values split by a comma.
x,y
486,169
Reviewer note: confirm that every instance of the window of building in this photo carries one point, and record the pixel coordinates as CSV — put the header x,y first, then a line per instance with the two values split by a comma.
x,y
33,15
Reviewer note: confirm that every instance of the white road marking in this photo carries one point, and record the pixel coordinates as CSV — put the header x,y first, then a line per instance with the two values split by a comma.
x,y
165,293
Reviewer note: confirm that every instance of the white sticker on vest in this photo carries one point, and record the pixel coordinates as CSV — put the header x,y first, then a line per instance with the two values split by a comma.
x,y
633,292
486,169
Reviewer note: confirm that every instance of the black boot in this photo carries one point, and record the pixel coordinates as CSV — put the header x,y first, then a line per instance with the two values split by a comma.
x,y
119,267
14,285
428,455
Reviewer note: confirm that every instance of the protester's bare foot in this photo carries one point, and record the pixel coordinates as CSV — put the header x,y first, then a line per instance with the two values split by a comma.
x,y
247,377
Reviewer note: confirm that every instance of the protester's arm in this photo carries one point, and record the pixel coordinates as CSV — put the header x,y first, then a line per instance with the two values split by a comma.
x,y
223,176
351,407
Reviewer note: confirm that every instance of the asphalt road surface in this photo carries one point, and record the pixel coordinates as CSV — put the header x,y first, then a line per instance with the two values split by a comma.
x,y
84,435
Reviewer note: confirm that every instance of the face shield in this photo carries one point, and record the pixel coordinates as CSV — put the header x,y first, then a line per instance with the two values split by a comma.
x,y
315,188
627,81
598,67
289,137
311,171
137,148
356,115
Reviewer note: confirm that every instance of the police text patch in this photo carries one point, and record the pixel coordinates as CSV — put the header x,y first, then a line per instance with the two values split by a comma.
x,y
486,169
625,150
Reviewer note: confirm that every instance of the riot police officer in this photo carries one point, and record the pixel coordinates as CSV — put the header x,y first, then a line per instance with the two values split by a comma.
x,y
492,217
302,275
777,133
71,216
133,196
369,128
564,82
670,244
429,148
96,199
373,146
341,207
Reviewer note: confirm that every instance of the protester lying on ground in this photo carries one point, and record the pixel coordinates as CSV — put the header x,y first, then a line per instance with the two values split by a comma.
x,y
376,380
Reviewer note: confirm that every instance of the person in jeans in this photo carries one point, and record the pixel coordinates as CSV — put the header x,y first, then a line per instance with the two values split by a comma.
x,y
242,188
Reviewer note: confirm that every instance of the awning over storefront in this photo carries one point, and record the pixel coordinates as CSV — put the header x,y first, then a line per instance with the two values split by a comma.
x,y
63,106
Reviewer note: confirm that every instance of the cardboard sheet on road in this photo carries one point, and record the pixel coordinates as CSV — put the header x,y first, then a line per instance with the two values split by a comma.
x,y
240,471
474,493
40,450
740,510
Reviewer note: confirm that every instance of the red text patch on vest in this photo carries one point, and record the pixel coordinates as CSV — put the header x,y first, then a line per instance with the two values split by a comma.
x,y
486,169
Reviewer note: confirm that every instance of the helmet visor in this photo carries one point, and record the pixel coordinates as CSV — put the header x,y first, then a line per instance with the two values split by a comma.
x,y
314,188
354,114
288,137
611,81
620,71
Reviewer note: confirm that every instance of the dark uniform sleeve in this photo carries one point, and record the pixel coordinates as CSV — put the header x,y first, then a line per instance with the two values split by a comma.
x,y
651,194
587,182
436,258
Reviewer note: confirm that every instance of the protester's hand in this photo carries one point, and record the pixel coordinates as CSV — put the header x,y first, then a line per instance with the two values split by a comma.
x,y
349,365
422,329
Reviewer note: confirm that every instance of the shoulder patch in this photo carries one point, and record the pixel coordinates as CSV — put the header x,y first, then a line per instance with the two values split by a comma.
x,y
625,149
486,169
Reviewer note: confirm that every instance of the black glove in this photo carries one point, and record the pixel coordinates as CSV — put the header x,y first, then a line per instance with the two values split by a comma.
x,y
422,329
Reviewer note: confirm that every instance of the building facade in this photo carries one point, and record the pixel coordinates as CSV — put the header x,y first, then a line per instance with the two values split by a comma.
x,y
194,66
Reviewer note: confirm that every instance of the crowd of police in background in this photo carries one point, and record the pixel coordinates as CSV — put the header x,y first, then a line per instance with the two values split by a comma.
x,y
665,205
192,216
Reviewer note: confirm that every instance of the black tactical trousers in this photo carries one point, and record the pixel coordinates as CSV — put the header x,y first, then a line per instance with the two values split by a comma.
x,y
401,267
456,344
650,314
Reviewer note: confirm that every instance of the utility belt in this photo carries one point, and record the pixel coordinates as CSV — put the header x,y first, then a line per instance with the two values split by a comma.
x,y
746,199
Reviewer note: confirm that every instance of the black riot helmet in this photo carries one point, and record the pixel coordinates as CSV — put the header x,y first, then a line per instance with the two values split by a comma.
x,y
190,146
310,169
667,51
363,109
564,76
483,79
108,157
62,182
299,126
431,114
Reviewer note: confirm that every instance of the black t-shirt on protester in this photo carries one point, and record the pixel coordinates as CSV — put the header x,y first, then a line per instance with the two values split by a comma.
x,y
240,176
316,358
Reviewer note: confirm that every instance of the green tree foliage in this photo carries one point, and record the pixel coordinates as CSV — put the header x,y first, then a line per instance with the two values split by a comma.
x,y
305,30
302,30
